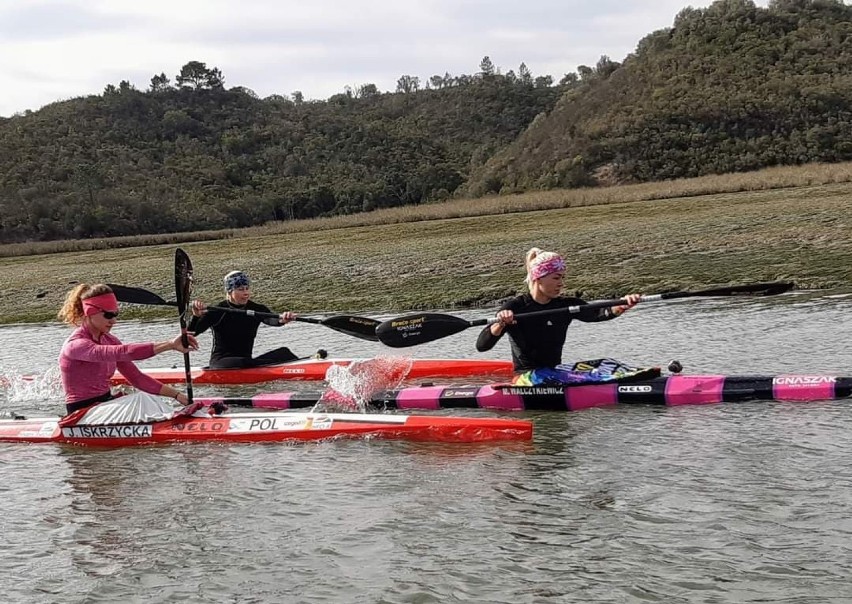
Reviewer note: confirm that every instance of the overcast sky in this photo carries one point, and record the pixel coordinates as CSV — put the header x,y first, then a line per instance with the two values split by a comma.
x,y
53,50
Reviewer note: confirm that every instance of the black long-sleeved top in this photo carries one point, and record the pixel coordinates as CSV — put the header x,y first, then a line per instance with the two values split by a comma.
x,y
537,342
233,333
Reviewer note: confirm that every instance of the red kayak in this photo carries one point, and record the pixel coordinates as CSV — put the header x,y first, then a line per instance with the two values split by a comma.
x,y
315,369
266,427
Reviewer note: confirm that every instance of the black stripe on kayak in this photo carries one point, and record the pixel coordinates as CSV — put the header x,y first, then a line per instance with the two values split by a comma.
x,y
843,387
462,397
747,388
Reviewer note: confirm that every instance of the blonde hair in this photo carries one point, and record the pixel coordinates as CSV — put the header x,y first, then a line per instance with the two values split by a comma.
x,y
537,256
530,256
72,309
532,253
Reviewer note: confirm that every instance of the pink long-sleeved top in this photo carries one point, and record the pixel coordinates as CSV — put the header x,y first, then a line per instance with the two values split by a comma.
x,y
87,365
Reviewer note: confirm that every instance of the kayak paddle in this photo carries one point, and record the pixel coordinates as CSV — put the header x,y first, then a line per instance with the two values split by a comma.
x,y
411,330
359,327
183,289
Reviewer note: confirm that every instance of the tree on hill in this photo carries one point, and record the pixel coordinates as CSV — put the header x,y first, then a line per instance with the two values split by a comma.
x,y
408,84
486,67
195,75
160,83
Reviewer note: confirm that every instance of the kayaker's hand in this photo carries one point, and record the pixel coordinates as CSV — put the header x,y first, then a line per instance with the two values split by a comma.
x,y
631,299
198,308
504,318
286,317
182,398
177,343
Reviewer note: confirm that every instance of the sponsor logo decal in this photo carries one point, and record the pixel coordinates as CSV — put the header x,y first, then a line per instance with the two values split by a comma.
x,y
47,428
459,392
293,370
44,431
635,389
360,321
197,427
269,424
134,431
409,327
409,323
535,390
320,422
803,380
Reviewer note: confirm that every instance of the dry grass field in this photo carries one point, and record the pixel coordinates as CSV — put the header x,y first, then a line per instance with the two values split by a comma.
x,y
791,225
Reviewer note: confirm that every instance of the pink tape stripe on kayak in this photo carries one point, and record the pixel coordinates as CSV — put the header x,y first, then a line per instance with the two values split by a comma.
x,y
489,398
694,389
803,387
593,395
274,400
424,397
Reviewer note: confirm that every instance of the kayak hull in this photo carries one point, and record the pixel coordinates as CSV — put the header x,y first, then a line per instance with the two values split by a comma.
x,y
268,427
670,391
315,369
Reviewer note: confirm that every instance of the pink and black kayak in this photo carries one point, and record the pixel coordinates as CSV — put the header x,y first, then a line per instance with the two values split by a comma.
x,y
670,390
315,369
266,427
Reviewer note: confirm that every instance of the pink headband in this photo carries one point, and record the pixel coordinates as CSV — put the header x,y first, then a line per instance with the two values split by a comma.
x,y
103,302
544,264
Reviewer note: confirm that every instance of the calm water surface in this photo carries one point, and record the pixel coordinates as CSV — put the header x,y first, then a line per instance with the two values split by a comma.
x,y
722,503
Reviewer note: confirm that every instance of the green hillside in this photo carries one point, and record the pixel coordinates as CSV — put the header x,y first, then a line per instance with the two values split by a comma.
x,y
196,156
728,88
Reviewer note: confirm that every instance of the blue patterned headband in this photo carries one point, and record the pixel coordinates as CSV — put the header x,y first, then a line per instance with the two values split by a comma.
x,y
236,279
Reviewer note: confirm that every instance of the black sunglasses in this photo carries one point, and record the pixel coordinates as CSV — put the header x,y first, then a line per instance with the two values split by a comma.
x,y
109,315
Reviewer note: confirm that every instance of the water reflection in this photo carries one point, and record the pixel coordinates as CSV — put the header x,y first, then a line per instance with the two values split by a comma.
x,y
137,514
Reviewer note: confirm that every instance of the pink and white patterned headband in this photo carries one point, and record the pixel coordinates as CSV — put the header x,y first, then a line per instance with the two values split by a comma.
x,y
544,264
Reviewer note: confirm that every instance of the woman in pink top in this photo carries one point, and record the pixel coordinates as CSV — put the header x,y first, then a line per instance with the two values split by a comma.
x,y
91,354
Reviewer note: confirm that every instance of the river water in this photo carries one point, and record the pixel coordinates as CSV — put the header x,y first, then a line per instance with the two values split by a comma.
x,y
719,503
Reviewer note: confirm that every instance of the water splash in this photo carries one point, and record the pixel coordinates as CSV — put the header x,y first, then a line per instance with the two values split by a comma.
x,y
38,391
351,387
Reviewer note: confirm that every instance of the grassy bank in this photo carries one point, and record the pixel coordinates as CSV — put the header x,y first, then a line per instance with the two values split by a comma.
x,y
798,233
783,177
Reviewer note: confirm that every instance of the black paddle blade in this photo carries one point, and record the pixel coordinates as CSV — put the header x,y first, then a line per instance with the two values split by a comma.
x,y
183,289
360,327
137,295
183,281
752,289
412,330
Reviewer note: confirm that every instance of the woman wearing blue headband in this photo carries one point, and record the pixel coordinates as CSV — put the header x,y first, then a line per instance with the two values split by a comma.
x,y
234,333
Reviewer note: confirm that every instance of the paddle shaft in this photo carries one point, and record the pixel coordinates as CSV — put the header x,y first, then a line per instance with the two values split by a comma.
x,y
571,310
263,315
764,289
411,330
271,315
359,327
139,296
